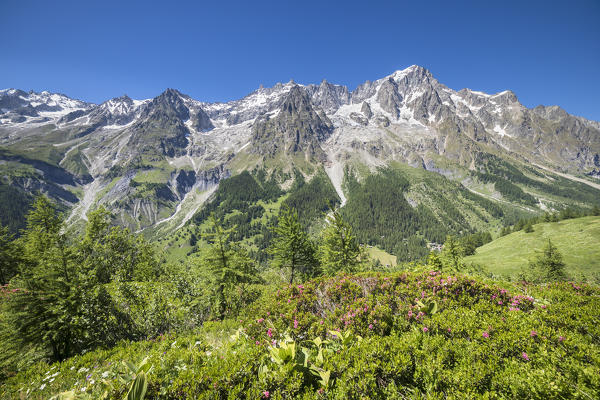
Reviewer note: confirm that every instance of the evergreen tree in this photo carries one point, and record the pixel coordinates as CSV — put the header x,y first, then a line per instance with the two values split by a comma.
x,y
434,261
528,227
291,247
549,265
452,253
339,249
9,255
228,265
45,310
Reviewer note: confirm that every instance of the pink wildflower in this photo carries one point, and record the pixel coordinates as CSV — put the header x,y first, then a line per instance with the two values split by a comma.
x,y
370,326
486,334
533,334
425,329
525,356
269,333
561,338
266,394
257,343
260,320
500,303
295,324
449,330
321,322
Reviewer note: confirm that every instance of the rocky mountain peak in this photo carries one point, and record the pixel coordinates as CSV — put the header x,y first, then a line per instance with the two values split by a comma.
x,y
297,128
388,97
168,104
506,97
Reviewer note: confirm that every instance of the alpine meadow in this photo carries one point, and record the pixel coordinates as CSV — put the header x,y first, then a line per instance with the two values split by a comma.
x,y
390,239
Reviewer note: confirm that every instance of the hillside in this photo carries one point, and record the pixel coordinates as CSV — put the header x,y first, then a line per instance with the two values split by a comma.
x,y
155,163
577,239
358,337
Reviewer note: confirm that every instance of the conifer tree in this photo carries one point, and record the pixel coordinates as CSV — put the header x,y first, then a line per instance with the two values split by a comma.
x,y
9,255
227,264
339,249
548,265
46,307
452,253
291,247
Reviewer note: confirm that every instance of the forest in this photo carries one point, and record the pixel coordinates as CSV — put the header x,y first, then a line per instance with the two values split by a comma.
x,y
102,315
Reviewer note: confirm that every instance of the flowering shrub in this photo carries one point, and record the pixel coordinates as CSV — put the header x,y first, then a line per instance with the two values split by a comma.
x,y
423,335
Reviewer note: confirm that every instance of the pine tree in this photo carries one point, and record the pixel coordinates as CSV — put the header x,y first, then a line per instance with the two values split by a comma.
x,y
9,255
549,265
291,247
45,310
452,253
528,227
339,249
228,265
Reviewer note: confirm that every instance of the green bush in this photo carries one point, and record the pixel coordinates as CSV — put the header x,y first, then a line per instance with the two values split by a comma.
x,y
424,335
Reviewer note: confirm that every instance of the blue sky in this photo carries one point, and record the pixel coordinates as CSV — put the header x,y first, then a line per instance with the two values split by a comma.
x,y
547,52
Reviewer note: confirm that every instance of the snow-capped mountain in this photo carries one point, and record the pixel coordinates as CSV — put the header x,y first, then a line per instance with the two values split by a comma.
x,y
156,160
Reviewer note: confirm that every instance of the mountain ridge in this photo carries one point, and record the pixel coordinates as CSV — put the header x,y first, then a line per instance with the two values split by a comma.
x,y
148,160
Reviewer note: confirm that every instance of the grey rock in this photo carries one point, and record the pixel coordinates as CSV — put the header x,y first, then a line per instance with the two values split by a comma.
x,y
389,98
366,110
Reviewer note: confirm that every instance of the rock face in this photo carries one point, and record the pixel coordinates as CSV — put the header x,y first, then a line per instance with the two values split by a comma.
x,y
155,152
297,128
388,97
327,96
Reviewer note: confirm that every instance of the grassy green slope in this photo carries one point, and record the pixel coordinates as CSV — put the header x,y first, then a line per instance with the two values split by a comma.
x,y
476,345
577,240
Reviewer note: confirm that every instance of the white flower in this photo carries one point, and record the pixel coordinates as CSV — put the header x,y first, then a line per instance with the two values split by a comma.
x,y
72,368
54,375
51,380
43,386
83,389
105,374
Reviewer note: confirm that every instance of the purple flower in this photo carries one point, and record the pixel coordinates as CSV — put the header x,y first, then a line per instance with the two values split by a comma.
x,y
486,334
370,326
525,356
269,333
425,329
295,324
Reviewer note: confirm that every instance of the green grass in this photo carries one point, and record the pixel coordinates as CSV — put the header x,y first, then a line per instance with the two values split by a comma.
x,y
383,256
576,239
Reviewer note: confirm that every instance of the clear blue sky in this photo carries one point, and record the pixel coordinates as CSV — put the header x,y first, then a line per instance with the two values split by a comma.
x,y
547,52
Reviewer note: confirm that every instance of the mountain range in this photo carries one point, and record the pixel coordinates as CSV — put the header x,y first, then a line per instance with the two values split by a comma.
x,y
155,162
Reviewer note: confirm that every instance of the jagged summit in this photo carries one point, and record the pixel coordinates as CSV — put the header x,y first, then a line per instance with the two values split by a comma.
x,y
157,152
